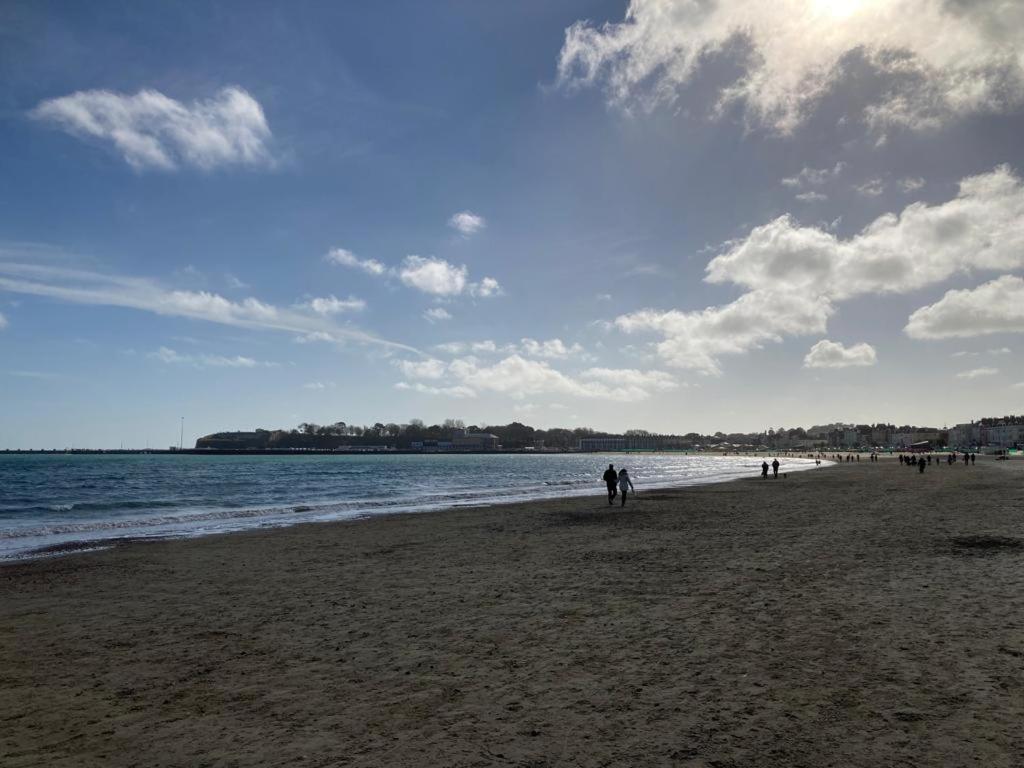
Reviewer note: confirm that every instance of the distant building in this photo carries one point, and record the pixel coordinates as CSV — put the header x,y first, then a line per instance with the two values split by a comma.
x,y
881,434
602,444
906,439
627,443
1004,435
475,441
965,435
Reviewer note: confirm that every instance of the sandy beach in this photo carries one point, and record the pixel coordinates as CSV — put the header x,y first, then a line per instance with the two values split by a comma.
x,y
856,615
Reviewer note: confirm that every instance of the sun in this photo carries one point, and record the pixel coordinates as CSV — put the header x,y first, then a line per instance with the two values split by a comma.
x,y
839,9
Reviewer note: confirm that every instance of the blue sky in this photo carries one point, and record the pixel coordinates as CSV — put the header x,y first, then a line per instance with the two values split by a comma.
x,y
571,213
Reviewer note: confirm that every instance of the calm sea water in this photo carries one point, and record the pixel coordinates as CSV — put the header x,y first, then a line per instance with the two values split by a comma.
x,y
50,501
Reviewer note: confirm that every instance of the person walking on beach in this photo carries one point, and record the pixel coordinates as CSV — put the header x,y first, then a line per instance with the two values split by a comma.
x,y
974,458
775,468
920,465
625,484
611,480
764,469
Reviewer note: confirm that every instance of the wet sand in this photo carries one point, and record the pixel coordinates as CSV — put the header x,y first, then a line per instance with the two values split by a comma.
x,y
858,615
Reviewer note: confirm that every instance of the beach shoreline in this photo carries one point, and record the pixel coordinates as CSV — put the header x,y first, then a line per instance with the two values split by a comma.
x,y
863,614
61,522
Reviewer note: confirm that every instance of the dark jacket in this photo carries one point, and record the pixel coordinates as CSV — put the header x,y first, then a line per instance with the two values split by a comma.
x,y
610,477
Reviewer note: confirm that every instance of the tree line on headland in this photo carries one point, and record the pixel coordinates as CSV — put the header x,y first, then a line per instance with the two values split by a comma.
x,y
517,436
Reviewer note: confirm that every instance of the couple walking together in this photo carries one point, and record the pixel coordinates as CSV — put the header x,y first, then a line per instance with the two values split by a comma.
x,y
617,483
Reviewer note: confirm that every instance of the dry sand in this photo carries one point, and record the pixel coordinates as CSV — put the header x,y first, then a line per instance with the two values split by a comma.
x,y
861,615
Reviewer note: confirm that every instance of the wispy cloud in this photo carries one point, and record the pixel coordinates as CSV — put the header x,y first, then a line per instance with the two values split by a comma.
x,y
436,315
170,356
871,188
346,258
909,185
517,377
813,177
152,130
94,288
3,321
331,305
547,348
467,222
977,373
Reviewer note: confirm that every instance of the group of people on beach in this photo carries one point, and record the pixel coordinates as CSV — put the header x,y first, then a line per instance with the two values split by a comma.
x,y
775,468
923,461
618,483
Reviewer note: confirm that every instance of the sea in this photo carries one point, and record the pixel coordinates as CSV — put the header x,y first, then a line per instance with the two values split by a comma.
x,y
59,503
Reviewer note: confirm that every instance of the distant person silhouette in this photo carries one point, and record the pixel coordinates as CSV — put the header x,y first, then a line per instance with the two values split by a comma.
x,y
775,468
625,484
967,458
920,465
764,469
611,479
974,457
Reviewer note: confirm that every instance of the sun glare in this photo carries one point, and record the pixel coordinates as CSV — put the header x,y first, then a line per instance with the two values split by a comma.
x,y
839,9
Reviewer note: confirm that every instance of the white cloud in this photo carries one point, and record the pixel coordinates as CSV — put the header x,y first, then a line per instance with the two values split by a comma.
x,y
696,340
1001,351
430,368
994,307
313,337
93,288
424,273
456,391
442,278
909,185
832,354
433,275
811,197
549,348
796,275
346,258
813,177
166,355
485,288
871,188
519,377
436,314
552,348
657,381
977,373
318,385
487,346
331,305
3,322
936,58
981,228
152,130
467,222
